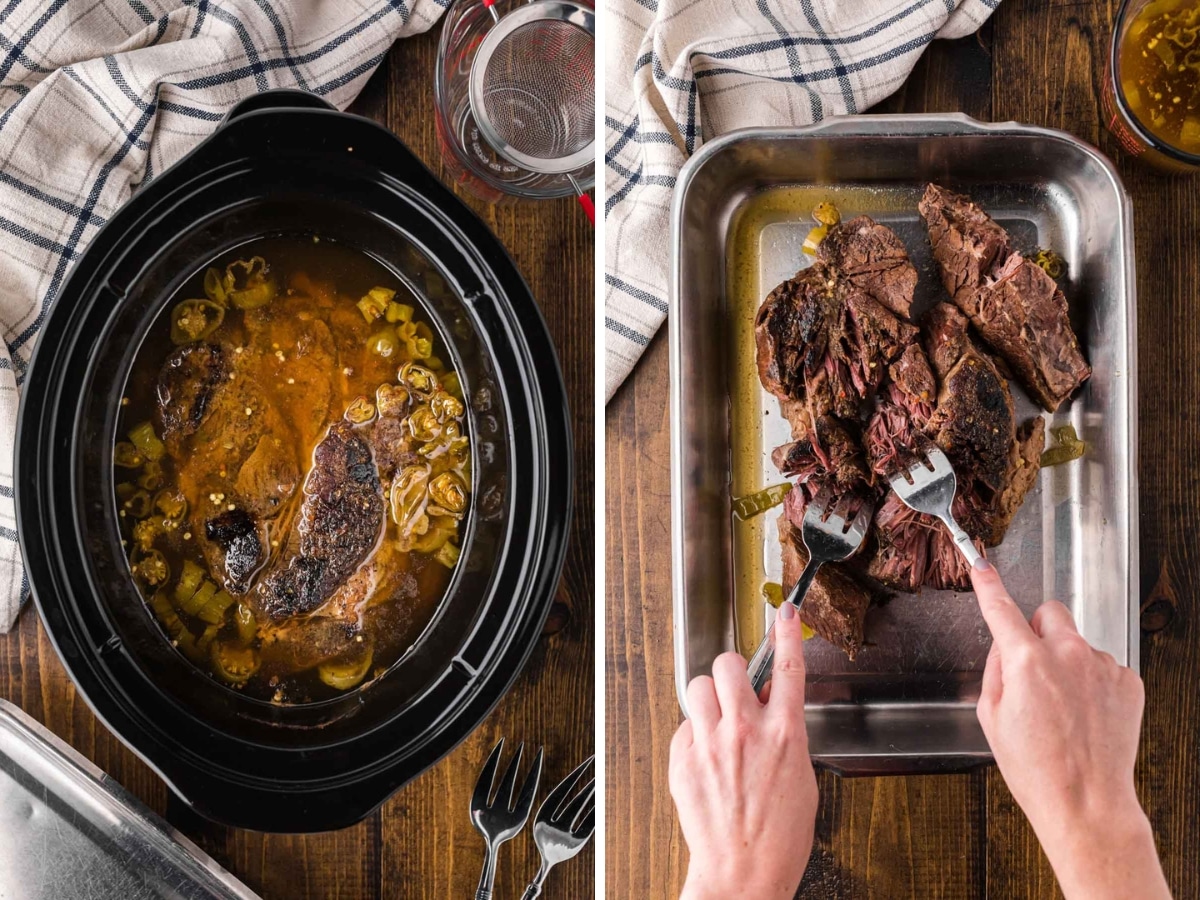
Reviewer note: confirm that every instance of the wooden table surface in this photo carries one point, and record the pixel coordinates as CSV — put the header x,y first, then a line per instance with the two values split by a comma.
x,y
421,843
944,836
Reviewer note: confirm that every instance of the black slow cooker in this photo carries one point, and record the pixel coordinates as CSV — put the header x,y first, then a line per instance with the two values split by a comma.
x,y
285,162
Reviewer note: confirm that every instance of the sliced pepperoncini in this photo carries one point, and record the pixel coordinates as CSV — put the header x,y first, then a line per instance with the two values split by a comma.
x,y
445,406
449,493
423,424
773,593
410,495
194,320
826,214
360,411
1067,447
127,456
349,669
248,283
760,501
418,378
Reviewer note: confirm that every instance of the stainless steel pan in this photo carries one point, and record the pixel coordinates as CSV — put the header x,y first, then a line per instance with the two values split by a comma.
x,y
741,212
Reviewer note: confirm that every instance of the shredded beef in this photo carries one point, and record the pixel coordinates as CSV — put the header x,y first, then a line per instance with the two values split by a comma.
x,y
863,389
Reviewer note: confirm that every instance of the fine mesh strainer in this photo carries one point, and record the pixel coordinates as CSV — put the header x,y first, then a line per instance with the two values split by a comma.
x,y
533,89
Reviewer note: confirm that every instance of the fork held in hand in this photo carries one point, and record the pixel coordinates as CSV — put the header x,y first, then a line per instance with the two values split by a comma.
x,y
928,486
828,538
561,827
501,819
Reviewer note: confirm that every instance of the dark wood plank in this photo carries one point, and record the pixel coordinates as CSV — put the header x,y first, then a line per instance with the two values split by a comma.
x,y
1050,63
952,76
421,843
1037,85
642,712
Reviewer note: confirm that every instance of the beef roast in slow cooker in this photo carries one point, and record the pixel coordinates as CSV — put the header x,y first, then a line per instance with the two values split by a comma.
x,y
297,520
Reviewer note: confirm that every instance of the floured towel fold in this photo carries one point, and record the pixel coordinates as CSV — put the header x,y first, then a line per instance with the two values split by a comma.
x,y
678,72
96,96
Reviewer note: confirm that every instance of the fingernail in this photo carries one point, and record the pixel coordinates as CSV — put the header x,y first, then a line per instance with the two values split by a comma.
x,y
982,565
786,610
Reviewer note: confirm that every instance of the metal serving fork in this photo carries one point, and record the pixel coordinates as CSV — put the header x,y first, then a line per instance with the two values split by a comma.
x,y
828,537
928,486
561,828
501,820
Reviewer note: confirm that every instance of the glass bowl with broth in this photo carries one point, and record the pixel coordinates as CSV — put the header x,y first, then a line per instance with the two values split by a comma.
x,y
292,472
1151,98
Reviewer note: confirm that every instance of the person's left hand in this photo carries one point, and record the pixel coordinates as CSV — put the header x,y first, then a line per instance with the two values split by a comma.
x,y
742,778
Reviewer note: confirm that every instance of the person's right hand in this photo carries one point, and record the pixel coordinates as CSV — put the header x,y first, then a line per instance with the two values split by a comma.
x,y
1063,720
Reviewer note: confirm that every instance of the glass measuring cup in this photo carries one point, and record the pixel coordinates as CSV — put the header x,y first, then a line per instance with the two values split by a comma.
x,y
467,146
1156,43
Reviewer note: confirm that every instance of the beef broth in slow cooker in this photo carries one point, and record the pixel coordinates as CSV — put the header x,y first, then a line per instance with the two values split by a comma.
x,y
292,469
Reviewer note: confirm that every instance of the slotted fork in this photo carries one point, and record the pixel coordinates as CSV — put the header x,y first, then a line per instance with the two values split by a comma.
x,y
828,537
928,486
499,819
561,829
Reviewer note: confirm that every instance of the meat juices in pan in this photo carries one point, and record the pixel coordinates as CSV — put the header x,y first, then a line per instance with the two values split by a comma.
x,y
861,386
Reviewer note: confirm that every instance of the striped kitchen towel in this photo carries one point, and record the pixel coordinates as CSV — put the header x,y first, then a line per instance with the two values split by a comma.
x,y
96,96
678,72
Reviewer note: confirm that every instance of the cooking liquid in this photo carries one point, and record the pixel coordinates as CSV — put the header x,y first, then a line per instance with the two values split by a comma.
x,y
389,624
1159,71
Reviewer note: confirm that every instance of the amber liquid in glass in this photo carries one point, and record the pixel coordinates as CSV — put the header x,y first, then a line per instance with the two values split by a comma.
x,y
1159,60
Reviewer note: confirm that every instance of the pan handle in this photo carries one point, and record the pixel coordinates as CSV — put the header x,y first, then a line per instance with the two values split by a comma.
x,y
901,123
278,98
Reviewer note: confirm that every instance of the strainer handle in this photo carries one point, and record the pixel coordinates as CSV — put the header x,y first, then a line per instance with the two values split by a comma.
x,y
588,206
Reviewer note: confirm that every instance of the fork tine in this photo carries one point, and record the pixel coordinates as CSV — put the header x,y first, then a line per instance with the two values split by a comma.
x,y
487,775
938,459
571,813
549,809
862,521
818,503
586,826
509,783
529,791
841,512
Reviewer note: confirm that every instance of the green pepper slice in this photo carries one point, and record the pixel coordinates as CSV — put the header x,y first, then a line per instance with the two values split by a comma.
x,y
254,287
760,501
347,670
147,442
194,320
233,664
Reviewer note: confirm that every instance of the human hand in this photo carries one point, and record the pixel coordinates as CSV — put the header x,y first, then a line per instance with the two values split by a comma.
x,y
742,778
1063,720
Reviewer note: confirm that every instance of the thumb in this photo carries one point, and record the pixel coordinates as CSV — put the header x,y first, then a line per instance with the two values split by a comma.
x,y
787,678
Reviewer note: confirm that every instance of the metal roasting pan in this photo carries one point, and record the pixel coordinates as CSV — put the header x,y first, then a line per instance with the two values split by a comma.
x,y
741,211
